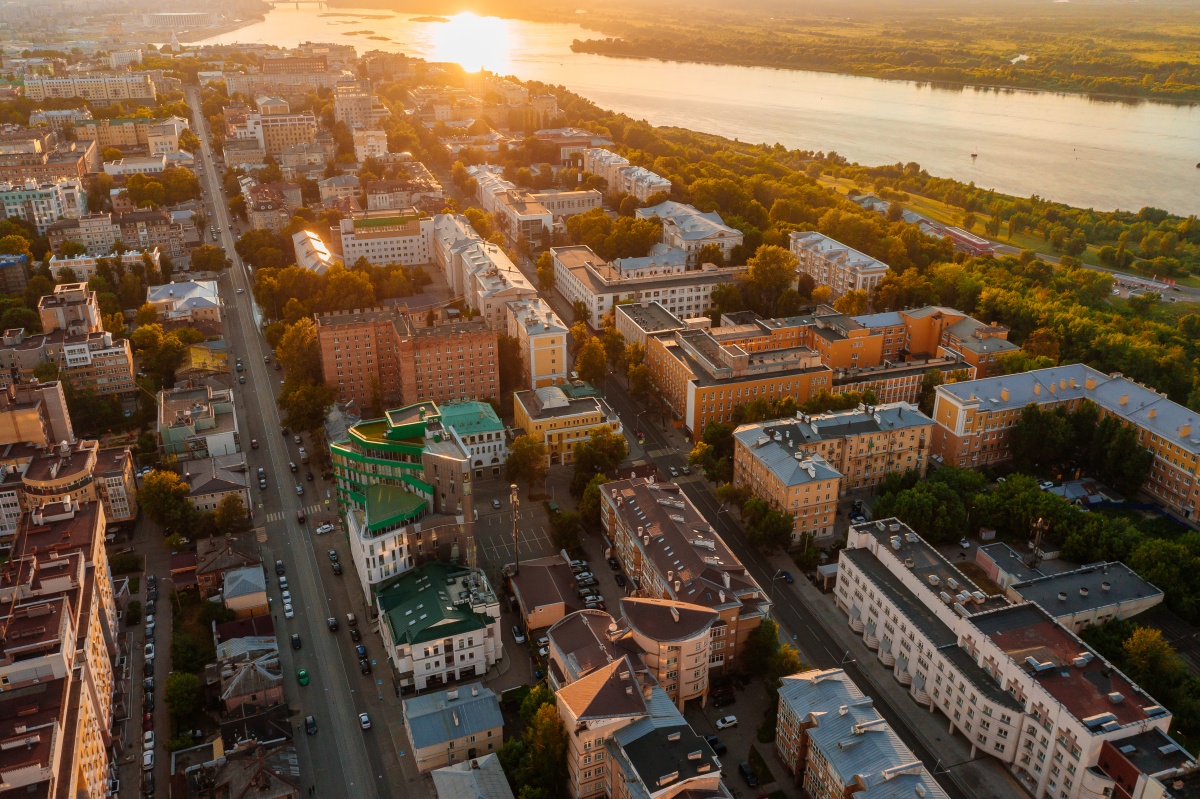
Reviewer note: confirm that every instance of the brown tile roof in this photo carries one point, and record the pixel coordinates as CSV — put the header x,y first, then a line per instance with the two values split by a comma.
x,y
612,691
666,620
586,641
219,553
546,581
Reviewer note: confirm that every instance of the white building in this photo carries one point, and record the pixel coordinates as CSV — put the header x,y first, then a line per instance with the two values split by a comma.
x,y
123,58
137,165
398,238
84,266
831,263
60,119
369,144
43,204
478,270
622,177
312,253
192,299
436,595
687,229
1010,679
99,87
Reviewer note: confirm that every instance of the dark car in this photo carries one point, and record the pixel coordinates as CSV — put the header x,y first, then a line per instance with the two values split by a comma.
x,y
333,556
152,595
337,568
620,580
286,431
310,725
715,742
279,567
150,607
748,774
614,564
355,635
723,699
151,581
364,666
361,651
296,643
308,476
148,702
333,624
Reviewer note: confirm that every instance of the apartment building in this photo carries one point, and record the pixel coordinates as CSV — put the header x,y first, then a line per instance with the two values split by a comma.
x,y
670,551
60,621
582,276
637,321
136,165
95,359
116,484
357,107
369,143
570,142
386,356
84,267
312,253
685,228
1010,679
46,160
1079,598
138,230
192,300
97,87
975,417
159,137
436,643
701,379
197,422
59,119
420,188
541,339
832,740
282,80
397,477
453,726
399,238
789,480
478,270
833,264
249,153
623,177
560,420
43,204
562,204
299,160
481,432
34,413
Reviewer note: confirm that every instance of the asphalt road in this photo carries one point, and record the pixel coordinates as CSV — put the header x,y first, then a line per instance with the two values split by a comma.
x,y
340,759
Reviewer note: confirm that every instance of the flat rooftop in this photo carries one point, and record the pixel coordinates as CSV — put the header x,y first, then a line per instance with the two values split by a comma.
x,y
650,317
1087,588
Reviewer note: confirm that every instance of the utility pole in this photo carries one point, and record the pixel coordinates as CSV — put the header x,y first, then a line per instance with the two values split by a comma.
x,y
516,506
1038,529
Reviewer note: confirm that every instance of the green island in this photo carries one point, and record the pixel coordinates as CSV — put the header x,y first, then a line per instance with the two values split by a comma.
x,y
1103,50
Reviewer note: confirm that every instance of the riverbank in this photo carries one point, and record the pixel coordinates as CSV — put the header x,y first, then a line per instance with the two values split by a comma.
x,y
220,30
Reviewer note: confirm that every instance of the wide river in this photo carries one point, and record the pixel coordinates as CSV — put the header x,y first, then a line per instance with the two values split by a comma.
x,y
1069,148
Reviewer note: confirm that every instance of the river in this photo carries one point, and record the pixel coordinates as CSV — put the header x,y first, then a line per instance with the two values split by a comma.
x,y
1084,152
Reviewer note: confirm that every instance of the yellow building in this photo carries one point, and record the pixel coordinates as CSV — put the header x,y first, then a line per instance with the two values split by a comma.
x,y
542,340
788,479
561,417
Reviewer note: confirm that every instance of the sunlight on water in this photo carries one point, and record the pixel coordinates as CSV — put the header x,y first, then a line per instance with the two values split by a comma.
x,y
475,42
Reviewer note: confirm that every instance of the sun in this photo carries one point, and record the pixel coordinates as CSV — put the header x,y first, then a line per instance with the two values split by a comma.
x,y
474,42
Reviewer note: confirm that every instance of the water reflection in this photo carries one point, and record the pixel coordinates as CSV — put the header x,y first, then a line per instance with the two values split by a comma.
x,y
473,41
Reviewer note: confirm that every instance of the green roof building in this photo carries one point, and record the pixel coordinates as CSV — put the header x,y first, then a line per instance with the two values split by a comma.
x,y
440,623
480,431
404,489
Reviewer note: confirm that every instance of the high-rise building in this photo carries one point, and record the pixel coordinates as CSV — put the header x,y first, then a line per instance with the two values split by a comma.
x,y
357,107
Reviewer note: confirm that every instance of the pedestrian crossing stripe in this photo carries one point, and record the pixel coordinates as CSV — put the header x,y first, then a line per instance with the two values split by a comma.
x,y
280,515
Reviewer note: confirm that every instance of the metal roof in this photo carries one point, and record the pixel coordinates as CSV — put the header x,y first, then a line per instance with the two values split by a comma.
x,y
436,718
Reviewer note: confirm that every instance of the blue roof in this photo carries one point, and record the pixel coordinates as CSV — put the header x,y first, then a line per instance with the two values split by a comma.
x,y
884,319
431,717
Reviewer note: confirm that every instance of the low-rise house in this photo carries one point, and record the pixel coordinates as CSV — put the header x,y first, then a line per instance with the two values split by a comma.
x,y
197,423
244,591
249,673
211,480
478,778
191,299
545,590
448,727
217,555
561,420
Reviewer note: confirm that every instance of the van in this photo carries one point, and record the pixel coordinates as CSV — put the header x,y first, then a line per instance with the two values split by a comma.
x,y
300,517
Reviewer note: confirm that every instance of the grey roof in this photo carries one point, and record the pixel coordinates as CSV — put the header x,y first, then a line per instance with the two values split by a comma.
x,y
1104,583
243,582
782,460
692,224
186,294
918,782
1117,395
479,778
1010,561
435,718
658,745
650,317
833,249
1153,752
811,429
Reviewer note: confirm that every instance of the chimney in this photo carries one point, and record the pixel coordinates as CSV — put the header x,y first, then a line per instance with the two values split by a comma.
x,y
1089,383
1037,388
1124,399
1004,394
1185,431
678,585
1152,413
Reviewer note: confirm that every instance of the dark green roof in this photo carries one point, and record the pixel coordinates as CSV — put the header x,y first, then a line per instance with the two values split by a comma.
x,y
418,605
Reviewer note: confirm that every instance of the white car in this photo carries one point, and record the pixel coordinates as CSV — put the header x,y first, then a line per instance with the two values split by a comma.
x,y
148,760
518,636
149,651
148,740
325,528
283,583
288,612
149,623
287,597
241,291
965,544
1046,485
727,722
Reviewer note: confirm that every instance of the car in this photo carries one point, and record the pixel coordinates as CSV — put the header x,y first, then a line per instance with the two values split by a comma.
x,y
148,760
364,721
364,666
333,555
355,635
147,722
293,467
619,579
496,504
518,636
310,725
715,743
594,605
277,366
283,583
148,685
262,483
297,440
148,702
308,476
149,651
361,651
332,623
787,577
300,516
748,774
543,651
299,490
541,641
965,544
279,567
148,666
687,470
325,528
152,595
727,722
588,583
241,291
240,368
266,359
254,443
285,431
288,612
287,597
152,581
674,471
303,452
296,642
149,623
1046,485
614,564
150,606
337,568
583,576
148,740
242,379
721,700
1000,480
302,676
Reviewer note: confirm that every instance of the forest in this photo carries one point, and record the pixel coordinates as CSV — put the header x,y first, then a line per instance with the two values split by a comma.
x,y
1118,51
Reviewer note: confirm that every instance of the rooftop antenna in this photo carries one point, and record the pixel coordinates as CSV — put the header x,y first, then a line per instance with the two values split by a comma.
x,y
1037,529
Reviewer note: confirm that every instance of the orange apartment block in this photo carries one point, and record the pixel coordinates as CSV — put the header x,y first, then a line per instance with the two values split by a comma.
x,y
386,357
934,331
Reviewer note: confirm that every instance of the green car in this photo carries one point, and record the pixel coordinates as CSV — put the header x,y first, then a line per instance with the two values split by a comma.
x,y
302,676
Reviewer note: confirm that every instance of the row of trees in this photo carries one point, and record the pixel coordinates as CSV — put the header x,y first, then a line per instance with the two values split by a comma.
x,y
164,499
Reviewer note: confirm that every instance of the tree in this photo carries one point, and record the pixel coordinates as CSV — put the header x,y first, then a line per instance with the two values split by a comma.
x,y
711,254
163,497
305,404
771,531
603,450
641,382
115,324
821,295
146,315
526,464
592,361
545,272
231,516
926,394
298,352
110,154
208,258
183,696
564,529
1151,660
761,646
852,303
589,502
771,271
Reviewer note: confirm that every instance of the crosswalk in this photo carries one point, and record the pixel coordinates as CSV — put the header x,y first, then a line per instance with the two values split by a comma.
x,y
283,514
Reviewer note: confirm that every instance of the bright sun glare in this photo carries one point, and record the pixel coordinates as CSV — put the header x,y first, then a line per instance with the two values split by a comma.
x,y
473,41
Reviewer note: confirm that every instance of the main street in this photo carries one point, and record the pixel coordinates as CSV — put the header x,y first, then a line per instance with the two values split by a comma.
x,y
340,759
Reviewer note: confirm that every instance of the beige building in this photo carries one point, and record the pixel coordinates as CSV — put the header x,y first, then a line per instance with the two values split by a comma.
x,y
560,419
790,481
99,87
670,551
369,143
546,592
542,340
833,264
244,591
393,238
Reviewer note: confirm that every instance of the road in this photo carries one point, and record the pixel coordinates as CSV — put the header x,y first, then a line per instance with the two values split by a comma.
x,y
341,759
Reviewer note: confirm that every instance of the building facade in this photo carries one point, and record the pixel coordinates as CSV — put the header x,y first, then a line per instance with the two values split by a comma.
x,y
98,87
561,420
833,264
541,340
392,239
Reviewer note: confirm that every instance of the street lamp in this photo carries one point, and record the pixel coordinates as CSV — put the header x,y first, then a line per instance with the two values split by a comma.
x,y
779,575
516,505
